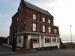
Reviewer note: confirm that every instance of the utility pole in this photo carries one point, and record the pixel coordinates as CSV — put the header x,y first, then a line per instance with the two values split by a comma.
x,y
71,33
14,44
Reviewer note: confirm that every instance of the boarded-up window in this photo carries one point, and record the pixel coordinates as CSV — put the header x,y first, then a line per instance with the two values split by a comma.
x,y
35,40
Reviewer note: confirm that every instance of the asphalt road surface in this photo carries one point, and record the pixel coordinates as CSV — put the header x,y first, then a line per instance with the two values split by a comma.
x,y
49,53
5,51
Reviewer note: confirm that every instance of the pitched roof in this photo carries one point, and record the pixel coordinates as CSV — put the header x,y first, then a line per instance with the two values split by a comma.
x,y
36,8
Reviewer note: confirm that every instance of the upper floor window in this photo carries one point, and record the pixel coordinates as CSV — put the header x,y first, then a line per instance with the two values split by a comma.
x,y
43,28
34,26
49,29
55,30
34,17
17,19
43,19
49,21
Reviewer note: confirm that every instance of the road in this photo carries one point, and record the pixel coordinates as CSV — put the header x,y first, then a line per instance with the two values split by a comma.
x,y
49,53
5,51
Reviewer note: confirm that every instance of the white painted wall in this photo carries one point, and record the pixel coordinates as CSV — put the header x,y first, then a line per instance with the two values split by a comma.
x,y
20,44
28,41
55,43
42,41
51,43
36,45
46,44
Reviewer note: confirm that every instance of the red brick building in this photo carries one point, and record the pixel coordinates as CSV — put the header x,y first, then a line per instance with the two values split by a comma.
x,y
3,40
33,27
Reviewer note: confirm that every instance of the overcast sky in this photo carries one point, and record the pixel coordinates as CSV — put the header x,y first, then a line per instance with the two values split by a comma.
x,y
62,10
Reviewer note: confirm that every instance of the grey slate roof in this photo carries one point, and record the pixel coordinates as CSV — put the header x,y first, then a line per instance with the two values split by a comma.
x,y
37,8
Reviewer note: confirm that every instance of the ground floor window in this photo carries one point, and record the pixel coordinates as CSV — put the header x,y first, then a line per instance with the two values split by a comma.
x,y
35,40
47,40
58,39
53,39
19,39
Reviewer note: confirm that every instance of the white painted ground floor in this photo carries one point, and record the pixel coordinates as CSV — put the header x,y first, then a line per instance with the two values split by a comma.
x,y
37,41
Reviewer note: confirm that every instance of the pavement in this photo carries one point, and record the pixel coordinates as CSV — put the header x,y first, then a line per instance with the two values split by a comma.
x,y
6,51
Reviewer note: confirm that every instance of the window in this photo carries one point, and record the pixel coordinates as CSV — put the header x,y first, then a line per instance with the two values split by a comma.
x,y
49,21
34,17
47,40
43,19
53,39
17,27
49,29
58,39
19,40
55,30
17,19
24,22
35,40
43,28
34,26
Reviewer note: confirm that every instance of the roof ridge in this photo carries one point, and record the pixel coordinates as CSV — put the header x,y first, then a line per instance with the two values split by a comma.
x,y
35,5
32,6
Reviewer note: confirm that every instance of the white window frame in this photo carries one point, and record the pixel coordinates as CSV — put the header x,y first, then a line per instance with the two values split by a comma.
x,y
43,19
34,26
34,17
43,28
49,21
49,29
17,19
55,30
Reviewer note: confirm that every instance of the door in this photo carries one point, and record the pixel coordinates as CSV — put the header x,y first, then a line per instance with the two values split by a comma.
x,y
31,43
25,42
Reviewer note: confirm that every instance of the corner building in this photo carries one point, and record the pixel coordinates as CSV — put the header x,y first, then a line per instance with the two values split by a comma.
x,y
33,28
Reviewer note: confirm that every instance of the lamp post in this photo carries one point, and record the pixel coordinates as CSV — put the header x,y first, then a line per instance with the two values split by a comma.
x,y
71,33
